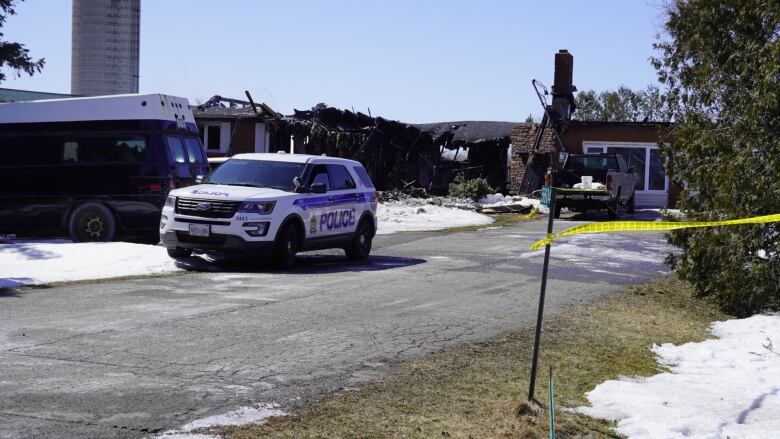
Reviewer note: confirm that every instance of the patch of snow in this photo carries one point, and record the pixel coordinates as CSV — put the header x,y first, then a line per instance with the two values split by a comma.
x,y
506,200
41,262
601,250
719,388
414,215
240,416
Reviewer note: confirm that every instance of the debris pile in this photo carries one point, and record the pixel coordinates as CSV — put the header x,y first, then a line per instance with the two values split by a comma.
x,y
412,158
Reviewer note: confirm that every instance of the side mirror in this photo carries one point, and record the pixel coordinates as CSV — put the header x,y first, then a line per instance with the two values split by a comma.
x,y
318,188
199,179
632,169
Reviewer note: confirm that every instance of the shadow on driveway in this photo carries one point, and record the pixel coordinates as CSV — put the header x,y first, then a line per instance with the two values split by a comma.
x,y
305,264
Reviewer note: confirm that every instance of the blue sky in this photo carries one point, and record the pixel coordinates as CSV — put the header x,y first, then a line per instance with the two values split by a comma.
x,y
412,60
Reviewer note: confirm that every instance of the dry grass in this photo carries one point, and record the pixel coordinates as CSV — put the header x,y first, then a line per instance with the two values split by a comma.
x,y
479,391
499,220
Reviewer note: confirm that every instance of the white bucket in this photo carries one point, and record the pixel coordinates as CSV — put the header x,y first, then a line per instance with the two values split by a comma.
x,y
587,182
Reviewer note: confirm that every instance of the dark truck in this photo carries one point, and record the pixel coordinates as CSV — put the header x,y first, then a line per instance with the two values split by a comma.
x,y
613,184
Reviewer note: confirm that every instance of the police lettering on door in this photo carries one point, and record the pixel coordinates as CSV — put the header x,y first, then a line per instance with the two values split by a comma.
x,y
337,219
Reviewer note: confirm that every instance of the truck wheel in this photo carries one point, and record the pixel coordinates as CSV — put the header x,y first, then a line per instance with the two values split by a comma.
x,y
361,243
92,222
613,206
179,253
287,245
631,206
557,212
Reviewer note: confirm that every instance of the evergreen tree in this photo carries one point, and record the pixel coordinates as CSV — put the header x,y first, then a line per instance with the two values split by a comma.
x,y
720,63
15,55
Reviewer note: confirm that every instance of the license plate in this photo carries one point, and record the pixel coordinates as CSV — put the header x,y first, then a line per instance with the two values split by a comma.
x,y
200,229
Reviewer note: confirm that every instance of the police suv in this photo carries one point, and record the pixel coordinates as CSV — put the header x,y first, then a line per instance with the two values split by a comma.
x,y
274,205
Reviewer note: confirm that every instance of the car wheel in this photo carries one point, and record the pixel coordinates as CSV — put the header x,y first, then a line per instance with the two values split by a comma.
x,y
287,246
631,206
92,222
361,243
178,252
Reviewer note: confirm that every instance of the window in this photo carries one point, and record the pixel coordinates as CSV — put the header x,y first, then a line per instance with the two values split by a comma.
x,y
30,150
340,178
104,150
276,175
584,165
363,176
211,136
320,175
194,150
657,175
645,158
176,149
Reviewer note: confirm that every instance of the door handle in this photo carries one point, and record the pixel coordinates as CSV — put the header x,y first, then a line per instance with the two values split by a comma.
x,y
331,198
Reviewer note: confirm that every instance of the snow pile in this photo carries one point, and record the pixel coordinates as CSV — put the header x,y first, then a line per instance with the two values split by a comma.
x,y
413,215
507,200
36,262
725,387
241,416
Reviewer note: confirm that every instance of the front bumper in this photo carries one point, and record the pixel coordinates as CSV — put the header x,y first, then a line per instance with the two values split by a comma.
x,y
217,243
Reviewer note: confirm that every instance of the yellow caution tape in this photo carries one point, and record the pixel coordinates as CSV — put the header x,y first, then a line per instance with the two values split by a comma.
x,y
531,214
643,226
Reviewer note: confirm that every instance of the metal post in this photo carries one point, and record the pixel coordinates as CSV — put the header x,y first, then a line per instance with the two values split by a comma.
x,y
540,315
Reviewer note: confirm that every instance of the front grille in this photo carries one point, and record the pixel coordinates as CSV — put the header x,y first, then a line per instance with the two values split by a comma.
x,y
211,240
216,209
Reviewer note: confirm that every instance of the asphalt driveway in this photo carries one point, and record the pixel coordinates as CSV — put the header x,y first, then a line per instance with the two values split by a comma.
x,y
138,357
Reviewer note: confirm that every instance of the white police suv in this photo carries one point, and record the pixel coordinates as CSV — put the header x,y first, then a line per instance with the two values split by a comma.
x,y
274,205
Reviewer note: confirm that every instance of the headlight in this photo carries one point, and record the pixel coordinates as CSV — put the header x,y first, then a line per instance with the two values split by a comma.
x,y
261,207
170,201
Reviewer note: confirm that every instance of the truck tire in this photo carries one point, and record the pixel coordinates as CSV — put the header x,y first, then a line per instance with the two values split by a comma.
x,y
287,245
361,243
557,212
631,205
92,222
613,206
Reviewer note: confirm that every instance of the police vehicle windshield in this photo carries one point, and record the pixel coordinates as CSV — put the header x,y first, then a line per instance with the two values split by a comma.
x,y
257,173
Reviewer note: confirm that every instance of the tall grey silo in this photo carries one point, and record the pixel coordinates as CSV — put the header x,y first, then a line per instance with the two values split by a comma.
x,y
105,47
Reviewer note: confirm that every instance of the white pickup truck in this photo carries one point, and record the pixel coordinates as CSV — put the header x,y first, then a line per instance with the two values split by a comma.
x,y
613,184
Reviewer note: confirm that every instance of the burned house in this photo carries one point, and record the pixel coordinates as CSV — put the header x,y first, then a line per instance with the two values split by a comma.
x,y
537,147
231,126
474,149
396,155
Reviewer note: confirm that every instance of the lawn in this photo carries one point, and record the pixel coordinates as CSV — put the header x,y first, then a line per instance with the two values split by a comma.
x,y
480,390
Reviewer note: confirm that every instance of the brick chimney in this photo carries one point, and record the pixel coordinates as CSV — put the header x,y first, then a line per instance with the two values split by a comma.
x,y
563,89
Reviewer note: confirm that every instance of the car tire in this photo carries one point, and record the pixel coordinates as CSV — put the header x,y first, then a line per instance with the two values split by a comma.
x,y
361,242
92,222
557,212
631,205
179,253
286,248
